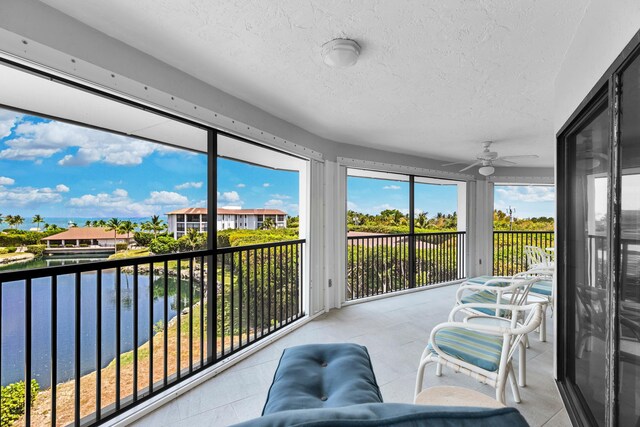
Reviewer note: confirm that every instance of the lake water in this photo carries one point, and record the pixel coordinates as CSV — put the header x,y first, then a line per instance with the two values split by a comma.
x,y
13,319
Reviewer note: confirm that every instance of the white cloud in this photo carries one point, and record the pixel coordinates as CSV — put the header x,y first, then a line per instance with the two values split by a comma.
x,y
280,196
8,120
274,203
166,198
351,206
527,194
119,203
391,187
383,207
61,188
186,185
28,197
229,196
241,185
266,184
34,141
4,180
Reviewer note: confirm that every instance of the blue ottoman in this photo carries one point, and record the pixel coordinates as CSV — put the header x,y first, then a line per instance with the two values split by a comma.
x,y
322,376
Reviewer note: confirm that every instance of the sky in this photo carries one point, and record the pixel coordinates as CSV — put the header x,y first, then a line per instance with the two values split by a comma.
x,y
56,169
527,200
368,195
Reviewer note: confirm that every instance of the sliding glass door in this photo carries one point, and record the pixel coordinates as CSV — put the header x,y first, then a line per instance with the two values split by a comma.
x,y
587,258
629,291
599,252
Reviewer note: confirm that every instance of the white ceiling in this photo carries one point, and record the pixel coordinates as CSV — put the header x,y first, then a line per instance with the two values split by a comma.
x,y
435,78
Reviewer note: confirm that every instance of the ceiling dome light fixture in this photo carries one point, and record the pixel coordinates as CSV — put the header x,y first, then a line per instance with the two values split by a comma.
x,y
340,53
486,170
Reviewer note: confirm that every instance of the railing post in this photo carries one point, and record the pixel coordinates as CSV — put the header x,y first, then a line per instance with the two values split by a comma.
x,y
212,260
412,236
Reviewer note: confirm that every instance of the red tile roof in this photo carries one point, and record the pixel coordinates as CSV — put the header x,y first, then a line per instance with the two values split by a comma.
x,y
222,211
86,233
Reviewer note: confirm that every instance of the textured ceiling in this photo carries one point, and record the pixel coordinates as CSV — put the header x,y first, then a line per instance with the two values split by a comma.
x,y
435,78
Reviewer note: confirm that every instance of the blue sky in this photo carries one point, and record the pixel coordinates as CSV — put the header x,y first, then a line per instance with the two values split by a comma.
x,y
57,169
370,196
528,200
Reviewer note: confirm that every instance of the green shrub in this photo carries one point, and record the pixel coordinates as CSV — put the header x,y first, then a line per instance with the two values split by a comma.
x,y
4,251
12,249
12,402
37,250
163,245
121,247
142,239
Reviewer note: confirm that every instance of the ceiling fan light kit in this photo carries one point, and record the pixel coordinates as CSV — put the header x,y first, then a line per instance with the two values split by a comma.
x,y
487,158
486,170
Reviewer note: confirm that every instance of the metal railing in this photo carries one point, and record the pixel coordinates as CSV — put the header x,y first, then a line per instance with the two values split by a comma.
x,y
381,264
101,337
440,257
508,249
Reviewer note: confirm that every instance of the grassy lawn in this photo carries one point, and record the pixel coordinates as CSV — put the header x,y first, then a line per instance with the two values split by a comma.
x,y
130,253
16,255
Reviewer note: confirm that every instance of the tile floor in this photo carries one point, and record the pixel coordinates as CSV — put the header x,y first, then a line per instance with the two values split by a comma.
x,y
395,331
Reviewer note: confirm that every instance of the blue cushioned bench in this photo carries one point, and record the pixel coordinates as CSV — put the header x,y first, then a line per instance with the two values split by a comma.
x,y
334,385
322,376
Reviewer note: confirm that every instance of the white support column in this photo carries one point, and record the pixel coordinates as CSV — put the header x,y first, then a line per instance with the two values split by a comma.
x,y
335,234
480,228
313,230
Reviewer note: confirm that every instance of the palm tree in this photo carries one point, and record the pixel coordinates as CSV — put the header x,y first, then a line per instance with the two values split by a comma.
x,y
100,223
155,225
113,225
9,220
18,220
87,223
193,238
268,224
37,219
127,227
1,219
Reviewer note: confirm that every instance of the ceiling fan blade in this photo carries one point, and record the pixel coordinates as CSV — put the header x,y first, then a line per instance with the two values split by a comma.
x,y
454,163
471,165
524,156
503,162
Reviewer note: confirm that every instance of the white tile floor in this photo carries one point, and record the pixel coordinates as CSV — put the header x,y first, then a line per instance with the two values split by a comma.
x,y
395,331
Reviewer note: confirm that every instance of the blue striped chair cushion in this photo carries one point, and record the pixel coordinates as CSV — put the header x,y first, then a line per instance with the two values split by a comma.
x,y
543,287
481,280
483,297
474,347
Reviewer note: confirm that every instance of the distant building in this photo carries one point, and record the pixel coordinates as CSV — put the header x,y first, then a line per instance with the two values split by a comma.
x,y
181,220
87,236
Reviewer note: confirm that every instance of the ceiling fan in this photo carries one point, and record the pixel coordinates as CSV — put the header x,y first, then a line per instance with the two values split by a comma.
x,y
488,159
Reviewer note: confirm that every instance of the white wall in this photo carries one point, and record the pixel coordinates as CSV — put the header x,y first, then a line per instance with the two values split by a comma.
x,y
606,28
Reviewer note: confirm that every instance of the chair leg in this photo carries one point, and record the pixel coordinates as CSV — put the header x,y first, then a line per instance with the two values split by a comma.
x,y
439,370
514,385
522,365
420,376
500,393
525,338
543,325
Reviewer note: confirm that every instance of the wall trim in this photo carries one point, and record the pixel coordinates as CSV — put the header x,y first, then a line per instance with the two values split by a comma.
x,y
409,170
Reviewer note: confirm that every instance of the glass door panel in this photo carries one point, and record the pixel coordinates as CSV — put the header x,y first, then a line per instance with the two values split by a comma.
x,y
629,290
588,259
